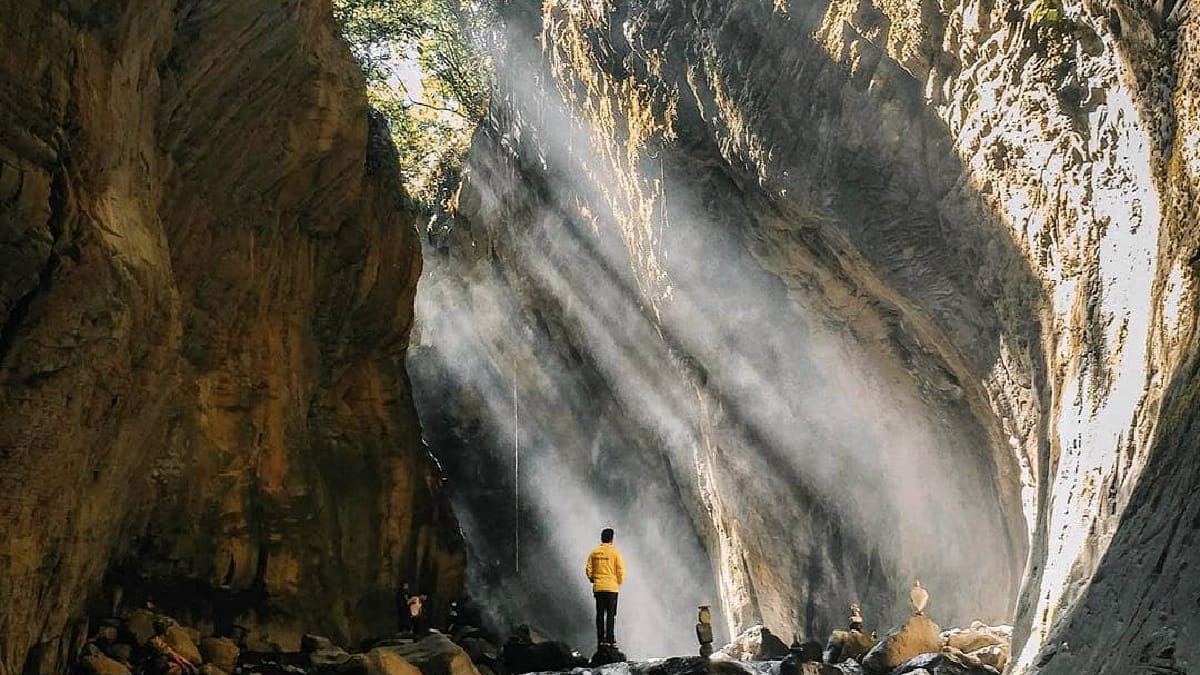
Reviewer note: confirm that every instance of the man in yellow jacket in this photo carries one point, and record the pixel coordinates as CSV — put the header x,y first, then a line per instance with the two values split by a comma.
x,y
606,570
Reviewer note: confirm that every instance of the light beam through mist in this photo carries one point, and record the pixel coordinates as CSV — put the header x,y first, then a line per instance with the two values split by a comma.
x,y
746,456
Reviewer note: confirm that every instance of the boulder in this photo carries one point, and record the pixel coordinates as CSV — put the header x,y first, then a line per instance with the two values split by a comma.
x,y
607,654
789,666
212,669
221,652
697,665
971,640
311,643
844,645
322,651
107,634
480,650
333,656
180,639
995,656
140,626
121,651
919,662
529,651
434,655
756,643
918,635
385,661
949,661
96,663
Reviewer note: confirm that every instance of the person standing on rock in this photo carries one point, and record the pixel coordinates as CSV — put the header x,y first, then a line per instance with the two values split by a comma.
x,y
606,570
405,619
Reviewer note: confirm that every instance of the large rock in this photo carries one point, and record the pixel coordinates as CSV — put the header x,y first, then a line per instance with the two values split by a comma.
x,y
530,651
756,643
99,664
605,655
180,639
480,650
321,651
433,655
121,651
378,661
918,635
949,661
847,644
222,652
140,625
697,665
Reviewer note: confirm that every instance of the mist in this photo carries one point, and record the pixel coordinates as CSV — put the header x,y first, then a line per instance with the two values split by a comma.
x,y
603,343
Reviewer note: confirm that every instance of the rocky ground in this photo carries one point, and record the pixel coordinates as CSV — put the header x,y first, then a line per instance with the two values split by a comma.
x,y
124,646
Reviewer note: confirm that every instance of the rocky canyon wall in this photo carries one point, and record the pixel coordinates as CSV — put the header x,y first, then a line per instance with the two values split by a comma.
x,y
205,297
895,289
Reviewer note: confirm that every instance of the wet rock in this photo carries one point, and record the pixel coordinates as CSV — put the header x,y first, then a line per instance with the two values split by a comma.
x,y
607,654
697,665
977,637
310,643
756,643
379,661
180,639
844,645
995,656
121,651
531,651
790,667
798,656
480,650
107,634
140,626
96,663
322,652
918,635
949,661
434,655
221,652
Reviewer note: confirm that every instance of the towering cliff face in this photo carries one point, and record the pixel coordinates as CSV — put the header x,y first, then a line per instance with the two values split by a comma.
x,y
896,289
205,298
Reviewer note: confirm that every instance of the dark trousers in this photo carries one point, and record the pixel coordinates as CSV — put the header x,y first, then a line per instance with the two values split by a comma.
x,y
606,616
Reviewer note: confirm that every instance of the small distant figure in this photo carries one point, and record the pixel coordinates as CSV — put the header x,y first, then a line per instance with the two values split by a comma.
x,y
404,618
856,620
606,570
167,661
704,631
416,613
919,597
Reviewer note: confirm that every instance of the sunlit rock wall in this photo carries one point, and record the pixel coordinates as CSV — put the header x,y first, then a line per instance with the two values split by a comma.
x,y
927,272
206,283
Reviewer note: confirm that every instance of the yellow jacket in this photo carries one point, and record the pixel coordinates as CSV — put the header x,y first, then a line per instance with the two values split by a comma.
x,y
605,569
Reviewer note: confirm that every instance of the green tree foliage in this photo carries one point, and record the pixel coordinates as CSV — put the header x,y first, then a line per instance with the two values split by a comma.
x,y
428,72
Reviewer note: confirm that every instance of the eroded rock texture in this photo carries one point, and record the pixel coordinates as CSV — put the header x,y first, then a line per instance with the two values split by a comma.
x,y
205,297
895,289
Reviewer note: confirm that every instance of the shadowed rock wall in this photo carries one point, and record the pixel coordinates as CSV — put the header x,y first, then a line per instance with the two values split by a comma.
x,y
205,296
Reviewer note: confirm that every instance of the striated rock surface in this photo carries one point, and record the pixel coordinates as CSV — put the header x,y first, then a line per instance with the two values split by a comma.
x,y
816,255
206,282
